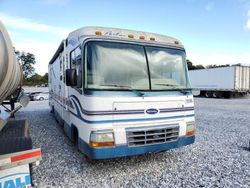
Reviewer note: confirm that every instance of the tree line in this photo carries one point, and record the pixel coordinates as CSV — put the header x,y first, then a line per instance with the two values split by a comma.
x,y
191,66
30,77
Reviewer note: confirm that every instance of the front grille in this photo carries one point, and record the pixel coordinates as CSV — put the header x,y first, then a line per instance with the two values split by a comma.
x,y
152,135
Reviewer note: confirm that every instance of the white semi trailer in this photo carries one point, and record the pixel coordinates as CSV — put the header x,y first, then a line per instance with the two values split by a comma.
x,y
16,153
221,82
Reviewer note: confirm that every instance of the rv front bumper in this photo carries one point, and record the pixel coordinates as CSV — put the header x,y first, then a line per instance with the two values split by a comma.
x,y
124,150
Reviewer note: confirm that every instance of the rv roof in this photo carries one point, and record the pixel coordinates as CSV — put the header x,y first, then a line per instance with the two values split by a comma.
x,y
122,34
79,35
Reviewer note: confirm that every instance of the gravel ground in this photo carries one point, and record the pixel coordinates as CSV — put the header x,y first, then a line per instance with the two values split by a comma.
x,y
219,157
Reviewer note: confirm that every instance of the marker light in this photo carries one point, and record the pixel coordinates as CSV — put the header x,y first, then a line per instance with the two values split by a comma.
x,y
130,36
152,38
190,131
98,33
104,138
142,37
176,42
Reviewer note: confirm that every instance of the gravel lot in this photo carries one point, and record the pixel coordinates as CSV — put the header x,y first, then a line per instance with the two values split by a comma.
x,y
219,157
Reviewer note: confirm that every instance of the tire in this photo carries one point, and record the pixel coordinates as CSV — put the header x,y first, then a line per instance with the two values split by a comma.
x,y
52,111
208,94
75,136
228,94
90,160
217,94
15,128
14,137
41,99
17,144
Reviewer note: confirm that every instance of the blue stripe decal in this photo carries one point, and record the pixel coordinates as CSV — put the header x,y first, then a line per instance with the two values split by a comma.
x,y
78,115
125,112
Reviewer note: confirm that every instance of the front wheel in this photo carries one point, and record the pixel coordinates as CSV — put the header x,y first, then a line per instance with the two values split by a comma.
x,y
52,111
41,99
90,160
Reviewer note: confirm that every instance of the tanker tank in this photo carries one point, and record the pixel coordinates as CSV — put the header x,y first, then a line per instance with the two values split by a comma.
x,y
15,140
10,70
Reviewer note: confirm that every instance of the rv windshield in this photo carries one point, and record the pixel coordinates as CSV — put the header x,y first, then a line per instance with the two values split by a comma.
x,y
118,66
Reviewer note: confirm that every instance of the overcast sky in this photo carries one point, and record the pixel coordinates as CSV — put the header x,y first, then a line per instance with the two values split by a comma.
x,y
212,31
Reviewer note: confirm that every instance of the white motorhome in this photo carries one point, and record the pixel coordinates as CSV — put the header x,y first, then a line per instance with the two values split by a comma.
x,y
120,92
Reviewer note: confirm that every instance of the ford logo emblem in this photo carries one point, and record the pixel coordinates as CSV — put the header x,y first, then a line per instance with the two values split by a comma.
x,y
152,111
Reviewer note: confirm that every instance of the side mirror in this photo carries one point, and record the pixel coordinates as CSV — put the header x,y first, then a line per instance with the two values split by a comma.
x,y
71,79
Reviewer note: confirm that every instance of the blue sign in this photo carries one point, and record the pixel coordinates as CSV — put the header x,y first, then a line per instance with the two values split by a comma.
x,y
15,182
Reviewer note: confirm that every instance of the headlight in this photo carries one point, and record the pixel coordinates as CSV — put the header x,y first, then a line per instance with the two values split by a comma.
x,y
190,131
102,138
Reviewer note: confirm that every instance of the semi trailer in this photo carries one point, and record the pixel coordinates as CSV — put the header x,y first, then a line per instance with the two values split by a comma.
x,y
16,152
119,92
221,82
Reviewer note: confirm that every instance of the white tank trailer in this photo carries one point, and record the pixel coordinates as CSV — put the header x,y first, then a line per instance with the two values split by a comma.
x,y
16,153
10,69
10,78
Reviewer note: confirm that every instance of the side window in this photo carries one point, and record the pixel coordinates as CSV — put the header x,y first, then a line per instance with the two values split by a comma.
x,y
61,64
72,60
78,54
76,63
50,75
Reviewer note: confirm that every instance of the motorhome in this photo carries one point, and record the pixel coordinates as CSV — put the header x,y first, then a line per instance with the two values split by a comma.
x,y
120,92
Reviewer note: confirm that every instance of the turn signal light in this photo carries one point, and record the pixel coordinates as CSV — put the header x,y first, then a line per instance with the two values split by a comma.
x,y
176,42
142,37
98,33
190,130
190,133
102,138
130,36
101,144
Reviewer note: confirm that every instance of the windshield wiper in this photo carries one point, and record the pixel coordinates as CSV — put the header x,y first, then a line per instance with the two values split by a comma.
x,y
162,84
182,90
175,88
125,87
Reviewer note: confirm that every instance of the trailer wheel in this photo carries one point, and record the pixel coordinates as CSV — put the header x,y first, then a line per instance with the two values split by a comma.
x,y
217,94
10,145
208,94
227,94
15,137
